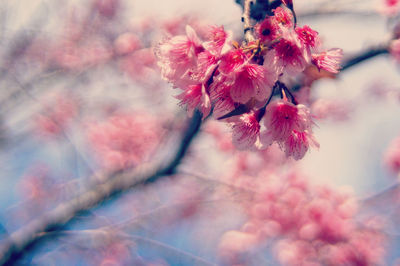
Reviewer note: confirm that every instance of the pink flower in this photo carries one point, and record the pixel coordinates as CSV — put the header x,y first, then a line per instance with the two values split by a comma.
x,y
177,55
246,80
282,117
220,94
284,17
252,81
297,144
329,60
290,126
219,41
206,64
233,61
245,131
308,36
267,30
292,54
195,96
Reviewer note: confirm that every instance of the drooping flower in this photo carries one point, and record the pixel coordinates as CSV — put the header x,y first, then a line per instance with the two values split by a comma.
x,y
329,60
245,131
282,117
297,144
195,96
206,64
292,54
220,94
252,81
290,126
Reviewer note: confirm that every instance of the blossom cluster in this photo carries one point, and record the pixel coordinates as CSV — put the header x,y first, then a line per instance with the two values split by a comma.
x,y
125,140
304,225
237,83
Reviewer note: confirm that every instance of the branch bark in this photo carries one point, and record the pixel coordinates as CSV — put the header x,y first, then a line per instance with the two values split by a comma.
x,y
33,233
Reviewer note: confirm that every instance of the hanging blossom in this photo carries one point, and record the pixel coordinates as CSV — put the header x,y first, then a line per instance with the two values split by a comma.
x,y
237,83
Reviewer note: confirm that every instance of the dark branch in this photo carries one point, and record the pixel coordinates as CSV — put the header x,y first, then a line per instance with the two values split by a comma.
x,y
361,57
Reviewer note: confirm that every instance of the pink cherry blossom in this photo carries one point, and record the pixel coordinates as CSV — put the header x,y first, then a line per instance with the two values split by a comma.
x,y
233,61
220,94
329,60
267,30
297,144
308,36
293,56
245,131
282,117
195,96
177,55
206,64
284,17
251,81
219,41
290,126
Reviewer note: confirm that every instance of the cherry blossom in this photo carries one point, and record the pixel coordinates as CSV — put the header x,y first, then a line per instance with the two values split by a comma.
x,y
329,60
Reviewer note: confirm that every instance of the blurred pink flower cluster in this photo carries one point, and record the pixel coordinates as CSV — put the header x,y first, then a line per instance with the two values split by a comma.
x,y
125,140
303,224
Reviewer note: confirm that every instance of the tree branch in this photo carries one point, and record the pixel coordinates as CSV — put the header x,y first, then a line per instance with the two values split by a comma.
x,y
361,57
32,234
248,27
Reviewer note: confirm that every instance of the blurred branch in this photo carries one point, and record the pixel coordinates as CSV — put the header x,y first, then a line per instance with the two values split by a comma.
x,y
33,233
365,55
